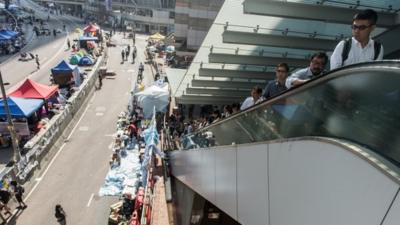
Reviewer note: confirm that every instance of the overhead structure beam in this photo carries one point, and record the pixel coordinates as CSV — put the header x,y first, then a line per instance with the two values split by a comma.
x,y
310,12
390,42
218,92
255,60
243,74
213,100
227,84
285,41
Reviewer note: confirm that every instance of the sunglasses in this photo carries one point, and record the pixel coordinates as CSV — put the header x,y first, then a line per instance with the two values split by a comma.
x,y
361,27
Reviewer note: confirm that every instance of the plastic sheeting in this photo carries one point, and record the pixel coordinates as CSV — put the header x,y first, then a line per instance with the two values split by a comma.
x,y
153,97
123,178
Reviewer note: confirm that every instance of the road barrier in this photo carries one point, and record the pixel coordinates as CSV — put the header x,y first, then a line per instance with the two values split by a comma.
x,y
42,147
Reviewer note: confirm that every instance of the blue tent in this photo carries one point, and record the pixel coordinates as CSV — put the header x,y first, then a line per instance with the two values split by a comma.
x,y
20,107
86,61
63,67
63,71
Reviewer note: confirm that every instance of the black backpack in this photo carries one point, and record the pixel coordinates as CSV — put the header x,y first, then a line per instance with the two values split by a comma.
x,y
347,47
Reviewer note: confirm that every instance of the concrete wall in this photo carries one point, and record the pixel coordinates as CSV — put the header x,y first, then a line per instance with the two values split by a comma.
x,y
302,182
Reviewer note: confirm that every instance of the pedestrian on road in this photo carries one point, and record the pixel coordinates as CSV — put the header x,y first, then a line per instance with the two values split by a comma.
x,y
19,192
37,61
64,27
100,80
68,43
133,57
60,215
123,55
54,32
126,54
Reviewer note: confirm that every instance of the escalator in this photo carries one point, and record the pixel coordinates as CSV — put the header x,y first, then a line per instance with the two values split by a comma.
x,y
359,103
326,152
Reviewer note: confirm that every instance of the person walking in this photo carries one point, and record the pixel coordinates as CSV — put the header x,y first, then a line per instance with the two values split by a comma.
x,y
126,54
68,43
133,57
60,215
123,55
37,62
18,193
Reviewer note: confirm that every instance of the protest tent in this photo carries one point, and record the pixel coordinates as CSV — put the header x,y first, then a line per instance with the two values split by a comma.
x,y
157,37
63,74
20,107
86,61
74,59
91,28
153,97
32,89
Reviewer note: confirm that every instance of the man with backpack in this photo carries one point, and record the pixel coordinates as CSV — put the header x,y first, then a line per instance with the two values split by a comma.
x,y
359,48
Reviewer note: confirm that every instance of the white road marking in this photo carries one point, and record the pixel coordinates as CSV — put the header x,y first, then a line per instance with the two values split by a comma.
x,y
100,108
55,157
110,146
99,114
131,71
90,200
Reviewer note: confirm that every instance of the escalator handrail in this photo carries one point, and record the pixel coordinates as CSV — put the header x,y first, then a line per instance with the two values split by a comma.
x,y
344,71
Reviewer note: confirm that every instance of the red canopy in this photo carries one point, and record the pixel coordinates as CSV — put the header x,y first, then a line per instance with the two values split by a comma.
x,y
91,28
32,89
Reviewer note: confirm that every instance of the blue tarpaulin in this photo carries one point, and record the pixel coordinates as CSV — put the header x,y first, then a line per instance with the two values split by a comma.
x,y
88,38
20,107
124,178
4,37
9,33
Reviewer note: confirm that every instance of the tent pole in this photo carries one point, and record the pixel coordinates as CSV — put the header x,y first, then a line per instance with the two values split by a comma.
x,y
11,128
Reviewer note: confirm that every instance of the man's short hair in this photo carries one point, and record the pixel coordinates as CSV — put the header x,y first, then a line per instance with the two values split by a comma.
x,y
367,14
320,55
257,89
284,65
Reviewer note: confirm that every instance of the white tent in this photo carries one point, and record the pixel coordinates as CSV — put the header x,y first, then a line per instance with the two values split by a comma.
x,y
153,96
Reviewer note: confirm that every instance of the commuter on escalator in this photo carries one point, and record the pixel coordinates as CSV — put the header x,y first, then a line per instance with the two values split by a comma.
x,y
275,87
359,48
255,98
316,68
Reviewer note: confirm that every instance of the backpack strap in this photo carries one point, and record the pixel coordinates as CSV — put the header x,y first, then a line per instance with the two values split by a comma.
x,y
377,49
346,49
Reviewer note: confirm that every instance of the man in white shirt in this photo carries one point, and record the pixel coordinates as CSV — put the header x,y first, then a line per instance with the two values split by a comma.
x,y
360,48
255,98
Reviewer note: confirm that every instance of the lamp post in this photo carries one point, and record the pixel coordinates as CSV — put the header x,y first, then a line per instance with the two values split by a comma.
x,y
10,126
